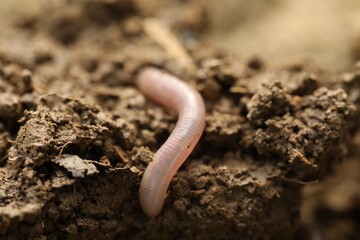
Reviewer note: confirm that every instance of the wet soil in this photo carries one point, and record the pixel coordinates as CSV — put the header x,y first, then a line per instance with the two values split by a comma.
x,y
76,135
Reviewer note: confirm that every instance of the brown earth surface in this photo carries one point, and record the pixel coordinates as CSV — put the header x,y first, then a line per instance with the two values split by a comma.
x,y
76,135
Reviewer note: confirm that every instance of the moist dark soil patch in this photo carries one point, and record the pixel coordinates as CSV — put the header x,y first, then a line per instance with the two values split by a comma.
x,y
76,135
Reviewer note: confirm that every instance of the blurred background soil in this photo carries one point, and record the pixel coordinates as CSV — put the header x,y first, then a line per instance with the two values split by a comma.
x,y
325,32
279,31
322,33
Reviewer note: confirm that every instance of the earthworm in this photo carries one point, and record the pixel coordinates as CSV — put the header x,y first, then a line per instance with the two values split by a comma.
x,y
173,93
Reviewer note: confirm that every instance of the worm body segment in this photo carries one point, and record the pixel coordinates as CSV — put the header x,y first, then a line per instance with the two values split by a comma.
x,y
171,92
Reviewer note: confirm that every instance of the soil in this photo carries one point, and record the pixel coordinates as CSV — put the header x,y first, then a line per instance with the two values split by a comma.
x,y
76,135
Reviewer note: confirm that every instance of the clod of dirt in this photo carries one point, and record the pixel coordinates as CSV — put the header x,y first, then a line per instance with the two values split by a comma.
x,y
63,125
302,136
268,102
78,167
10,105
222,130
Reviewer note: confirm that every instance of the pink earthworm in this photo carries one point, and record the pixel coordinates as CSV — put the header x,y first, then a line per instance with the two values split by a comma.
x,y
171,92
